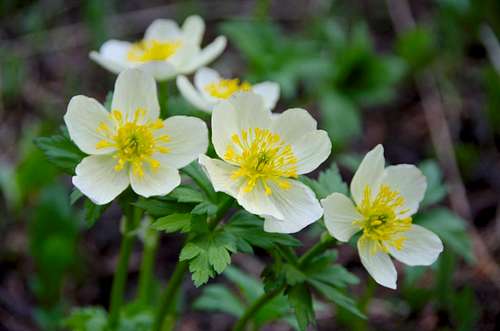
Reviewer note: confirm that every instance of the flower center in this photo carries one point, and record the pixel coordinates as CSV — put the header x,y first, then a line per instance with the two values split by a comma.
x,y
383,220
135,141
152,50
262,157
225,88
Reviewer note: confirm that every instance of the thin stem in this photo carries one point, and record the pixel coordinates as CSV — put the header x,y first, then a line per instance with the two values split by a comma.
x,y
146,273
173,286
167,299
163,97
314,251
255,307
120,278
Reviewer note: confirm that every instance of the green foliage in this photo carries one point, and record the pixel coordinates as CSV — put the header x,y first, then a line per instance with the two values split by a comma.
x,y
416,47
450,228
329,181
219,297
173,223
87,319
61,151
436,190
301,301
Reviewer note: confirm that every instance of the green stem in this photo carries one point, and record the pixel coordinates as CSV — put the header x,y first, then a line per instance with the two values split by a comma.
x,y
255,307
120,278
167,299
173,286
163,97
146,274
317,249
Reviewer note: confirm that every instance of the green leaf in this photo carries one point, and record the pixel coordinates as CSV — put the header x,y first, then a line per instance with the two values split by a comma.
x,y
219,298
336,296
200,269
173,223
189,251
60,151
194,171
157,207
205,208
75,196
340,117
187,194
416,47
247,230
436,190
87,319
450,228
219,258
329,181
301,301
93,212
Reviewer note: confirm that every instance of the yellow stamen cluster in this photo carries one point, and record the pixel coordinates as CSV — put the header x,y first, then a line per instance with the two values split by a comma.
x,y
134,140
152,50
225,88
262,157
384,220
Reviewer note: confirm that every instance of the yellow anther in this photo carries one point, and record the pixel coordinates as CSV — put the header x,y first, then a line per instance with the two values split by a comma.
x,y
225,88
152,50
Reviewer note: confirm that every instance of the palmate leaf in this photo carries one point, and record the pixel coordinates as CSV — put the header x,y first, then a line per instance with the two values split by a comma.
x,y
172,223
301,301
61,151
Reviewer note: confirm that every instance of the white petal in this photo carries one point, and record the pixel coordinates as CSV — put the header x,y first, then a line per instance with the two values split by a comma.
x,y
298,128
258,202
183,56
270,91
410,182
377,263
219,173
240,112
299,207
202,78
159,181
98,180
135,89
421,247
207,55
188,139
163,30
82,118
110,64
116,50
193,29
368,174
340,213
159,70
192,95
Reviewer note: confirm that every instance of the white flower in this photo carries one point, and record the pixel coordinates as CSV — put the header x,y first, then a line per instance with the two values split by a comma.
x,y
165,52
211,88
385,200
130,144
262,156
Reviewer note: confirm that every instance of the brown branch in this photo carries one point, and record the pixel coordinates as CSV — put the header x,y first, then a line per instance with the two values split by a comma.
x,y
432,104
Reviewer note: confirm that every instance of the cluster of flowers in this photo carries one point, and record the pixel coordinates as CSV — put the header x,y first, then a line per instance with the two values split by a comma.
x,y
261,154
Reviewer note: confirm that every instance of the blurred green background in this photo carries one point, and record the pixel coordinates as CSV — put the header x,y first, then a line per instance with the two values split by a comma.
x,y
422,77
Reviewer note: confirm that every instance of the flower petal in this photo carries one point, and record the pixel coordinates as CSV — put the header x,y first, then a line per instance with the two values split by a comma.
x,y
257,201
98,180
193,29
368,174
188,139
298,128
298,204
192,95
135,89
421,247
82,119
159,70
114,65
163,30
410,182
202,78
116,50
159,181
340,213
207,55
377,263
219,173
240,112
270,91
